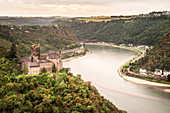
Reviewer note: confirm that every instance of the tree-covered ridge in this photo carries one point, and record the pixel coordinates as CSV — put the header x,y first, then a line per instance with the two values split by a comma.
x,y
21,21
49,37
60,93
156,58
137,31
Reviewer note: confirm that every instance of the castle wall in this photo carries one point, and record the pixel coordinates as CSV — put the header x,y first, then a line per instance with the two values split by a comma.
x,y
47,66
54,61
48,69
34,70
59,66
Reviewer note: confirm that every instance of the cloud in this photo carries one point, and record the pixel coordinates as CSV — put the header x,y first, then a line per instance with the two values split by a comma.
x,y
90,2
80,7
66,2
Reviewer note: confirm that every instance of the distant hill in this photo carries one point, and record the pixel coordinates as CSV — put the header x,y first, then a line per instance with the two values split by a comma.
x,y
49,37
156,58
21,21
137,30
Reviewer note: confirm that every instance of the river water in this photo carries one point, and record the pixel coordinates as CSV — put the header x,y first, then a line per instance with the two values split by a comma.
x,y
100,66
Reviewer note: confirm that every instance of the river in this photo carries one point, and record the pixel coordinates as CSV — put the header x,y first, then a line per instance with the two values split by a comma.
x,y
100,66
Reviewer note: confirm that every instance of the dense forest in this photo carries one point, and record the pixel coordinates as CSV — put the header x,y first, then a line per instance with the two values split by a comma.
x,y
137,31
60,93
49,37
156,58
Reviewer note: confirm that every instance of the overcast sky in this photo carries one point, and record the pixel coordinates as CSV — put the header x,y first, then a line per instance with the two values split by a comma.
x,y
80,7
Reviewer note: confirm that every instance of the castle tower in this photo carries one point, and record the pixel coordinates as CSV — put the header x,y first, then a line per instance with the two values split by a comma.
x,y
35,53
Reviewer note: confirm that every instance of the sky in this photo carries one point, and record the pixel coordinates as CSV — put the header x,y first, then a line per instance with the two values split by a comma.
x,y
77,8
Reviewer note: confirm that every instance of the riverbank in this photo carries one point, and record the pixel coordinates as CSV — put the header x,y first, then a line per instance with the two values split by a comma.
x,y
159,86
76,53
107,44
71,58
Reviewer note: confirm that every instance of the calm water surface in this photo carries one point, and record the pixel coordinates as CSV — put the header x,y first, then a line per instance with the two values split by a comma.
x,y
100,66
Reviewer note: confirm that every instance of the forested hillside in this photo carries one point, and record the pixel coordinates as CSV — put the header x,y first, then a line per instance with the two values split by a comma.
x,y
49,37
156,58
137,31
60,93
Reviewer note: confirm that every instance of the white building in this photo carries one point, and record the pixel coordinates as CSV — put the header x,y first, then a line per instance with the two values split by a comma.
x,y
122,44
147,48
130,45
143,71
166,73
158,72
141,46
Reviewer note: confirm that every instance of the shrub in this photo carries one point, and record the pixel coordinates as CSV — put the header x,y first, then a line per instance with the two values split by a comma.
x,y
168,77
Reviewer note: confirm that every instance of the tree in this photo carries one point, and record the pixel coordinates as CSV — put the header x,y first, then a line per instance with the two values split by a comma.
x,y
85,50
25,69
12,53
7,67
84,45
3,51
54,68
43,70
169,77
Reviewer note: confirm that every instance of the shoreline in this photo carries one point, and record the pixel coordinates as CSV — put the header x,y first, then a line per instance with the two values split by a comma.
x,y
106,44
159,86
71,58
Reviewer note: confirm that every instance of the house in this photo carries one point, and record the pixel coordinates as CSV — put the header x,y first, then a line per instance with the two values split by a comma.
x,y
143,71
166,73
100,42
130,45
158,72
122,45
38,61
27,31
141,46
147,48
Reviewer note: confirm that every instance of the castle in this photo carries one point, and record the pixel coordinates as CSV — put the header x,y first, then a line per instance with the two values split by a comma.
x,y
38,61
